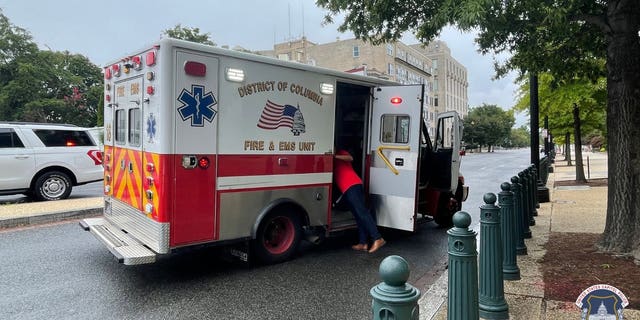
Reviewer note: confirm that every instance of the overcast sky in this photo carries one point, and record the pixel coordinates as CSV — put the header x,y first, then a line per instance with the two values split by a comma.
x,y
105,30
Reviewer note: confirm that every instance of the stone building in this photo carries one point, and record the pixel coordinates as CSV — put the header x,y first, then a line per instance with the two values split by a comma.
x,y
392,61
450,84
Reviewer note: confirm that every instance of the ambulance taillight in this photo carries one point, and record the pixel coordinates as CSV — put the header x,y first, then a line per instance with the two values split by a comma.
x,y
203,163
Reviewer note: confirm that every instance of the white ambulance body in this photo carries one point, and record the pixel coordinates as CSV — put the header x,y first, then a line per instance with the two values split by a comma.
x,y
211,146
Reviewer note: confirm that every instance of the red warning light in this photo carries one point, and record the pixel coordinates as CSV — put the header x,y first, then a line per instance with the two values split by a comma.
x,y
203,163
396,100
151,58
195,68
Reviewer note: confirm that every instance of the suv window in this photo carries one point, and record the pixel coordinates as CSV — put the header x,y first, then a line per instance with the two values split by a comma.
x,y
9,139
63,138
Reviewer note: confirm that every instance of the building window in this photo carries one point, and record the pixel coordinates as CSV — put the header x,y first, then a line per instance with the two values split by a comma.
x,y
389,49
435,102
390,69
356,51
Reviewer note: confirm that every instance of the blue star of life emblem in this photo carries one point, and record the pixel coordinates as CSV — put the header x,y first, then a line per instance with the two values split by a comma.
x,y
197,105
151,127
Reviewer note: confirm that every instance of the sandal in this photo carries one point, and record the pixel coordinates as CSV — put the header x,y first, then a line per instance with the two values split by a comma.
x,y
360,247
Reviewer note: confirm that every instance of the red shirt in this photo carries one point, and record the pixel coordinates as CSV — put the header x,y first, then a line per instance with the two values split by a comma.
x,y
344,174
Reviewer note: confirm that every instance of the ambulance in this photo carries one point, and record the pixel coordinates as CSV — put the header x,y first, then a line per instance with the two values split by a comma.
x,y
204,145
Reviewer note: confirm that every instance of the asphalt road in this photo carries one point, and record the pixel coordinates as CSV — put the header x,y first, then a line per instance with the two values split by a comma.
x,y
61,272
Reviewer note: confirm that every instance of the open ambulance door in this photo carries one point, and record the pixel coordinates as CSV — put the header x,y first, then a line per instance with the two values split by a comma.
x,y
395,145
447,150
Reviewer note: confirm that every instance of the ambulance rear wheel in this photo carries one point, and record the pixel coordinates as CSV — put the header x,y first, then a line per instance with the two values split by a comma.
x,y
447,207
278,237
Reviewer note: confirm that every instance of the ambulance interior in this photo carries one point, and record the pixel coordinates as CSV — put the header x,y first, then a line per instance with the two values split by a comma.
x,y
352,105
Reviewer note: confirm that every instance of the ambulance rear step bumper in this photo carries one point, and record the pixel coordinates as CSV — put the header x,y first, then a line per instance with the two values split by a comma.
x,y
125,248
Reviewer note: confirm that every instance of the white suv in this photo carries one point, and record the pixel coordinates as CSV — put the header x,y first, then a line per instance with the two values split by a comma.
x,y
45,161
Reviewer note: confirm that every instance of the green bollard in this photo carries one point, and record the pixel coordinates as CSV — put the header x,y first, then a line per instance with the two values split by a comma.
x,y
521,247
394,298
526,212
535,182
509,232
492,304
526,184
532,192
463,270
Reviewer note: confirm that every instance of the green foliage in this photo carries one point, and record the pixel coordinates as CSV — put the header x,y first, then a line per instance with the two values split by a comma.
x,y
189,34
519,138
487,125
45,86
557,98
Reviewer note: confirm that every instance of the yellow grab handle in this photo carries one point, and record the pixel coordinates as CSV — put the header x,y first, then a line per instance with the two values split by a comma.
x,y
386,161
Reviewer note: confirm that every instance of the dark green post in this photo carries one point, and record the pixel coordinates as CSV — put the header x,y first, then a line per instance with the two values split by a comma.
x,y
394,298
528,201
492,304
526,212
509,233
534,183
463,270
543,174
521,247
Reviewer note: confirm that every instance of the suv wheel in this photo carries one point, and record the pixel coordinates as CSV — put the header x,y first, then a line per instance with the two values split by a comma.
x,y
53,185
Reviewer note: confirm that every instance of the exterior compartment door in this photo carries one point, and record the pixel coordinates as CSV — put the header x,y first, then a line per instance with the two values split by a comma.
x,y
395,145
195,111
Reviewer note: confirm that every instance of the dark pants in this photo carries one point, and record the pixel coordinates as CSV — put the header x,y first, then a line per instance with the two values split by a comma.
x,y
366,224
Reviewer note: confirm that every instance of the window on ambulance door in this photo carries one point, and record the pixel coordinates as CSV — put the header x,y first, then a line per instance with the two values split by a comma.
x,y
121,126
135,127
395,128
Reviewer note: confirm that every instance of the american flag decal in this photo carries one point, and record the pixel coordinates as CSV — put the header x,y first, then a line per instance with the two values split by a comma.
x,y
275,116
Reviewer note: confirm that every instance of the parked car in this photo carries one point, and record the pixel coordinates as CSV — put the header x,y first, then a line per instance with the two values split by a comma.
x,y
45,161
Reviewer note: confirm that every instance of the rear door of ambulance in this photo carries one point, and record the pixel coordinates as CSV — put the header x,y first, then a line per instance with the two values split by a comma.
x,y
394,147
124,155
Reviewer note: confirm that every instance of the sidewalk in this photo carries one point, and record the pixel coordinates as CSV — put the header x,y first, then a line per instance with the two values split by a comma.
x,y
571,209
32,213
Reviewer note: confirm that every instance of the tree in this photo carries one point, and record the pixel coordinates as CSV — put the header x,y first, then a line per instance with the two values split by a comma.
x,y
558,36
488,125
190,34
519,138
559,100
15,44
45,86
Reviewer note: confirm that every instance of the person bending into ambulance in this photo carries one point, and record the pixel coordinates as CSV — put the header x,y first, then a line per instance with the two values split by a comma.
x,y
352,190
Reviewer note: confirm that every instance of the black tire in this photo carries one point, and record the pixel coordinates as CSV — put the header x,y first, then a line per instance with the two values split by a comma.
x,y
448,205
52,185
277,237
446,209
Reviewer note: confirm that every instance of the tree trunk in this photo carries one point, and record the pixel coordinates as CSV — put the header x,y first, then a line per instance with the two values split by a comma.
x,y
622,228
578,145
567,148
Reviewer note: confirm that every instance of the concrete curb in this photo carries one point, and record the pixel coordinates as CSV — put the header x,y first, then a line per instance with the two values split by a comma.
x,y
6,223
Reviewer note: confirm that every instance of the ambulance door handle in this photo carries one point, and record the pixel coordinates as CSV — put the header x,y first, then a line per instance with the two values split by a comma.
x,y
283,162
130,167
122,164
386,160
